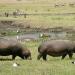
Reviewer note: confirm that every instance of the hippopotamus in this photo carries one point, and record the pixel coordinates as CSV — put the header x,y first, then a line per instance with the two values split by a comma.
x,y
56,48
14,48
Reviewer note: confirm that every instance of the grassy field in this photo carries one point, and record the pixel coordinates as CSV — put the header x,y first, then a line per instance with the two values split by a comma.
x,y
45,21
39,7
53,66
35,1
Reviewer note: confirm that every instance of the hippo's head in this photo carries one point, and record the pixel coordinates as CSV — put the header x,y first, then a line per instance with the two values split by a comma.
x,y
73,51
27,54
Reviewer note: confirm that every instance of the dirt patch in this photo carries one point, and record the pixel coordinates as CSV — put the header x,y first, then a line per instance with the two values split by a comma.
x,y
14,24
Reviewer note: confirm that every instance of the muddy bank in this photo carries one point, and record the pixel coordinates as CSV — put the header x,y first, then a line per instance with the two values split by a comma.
x,y
14,28
18,24
13,24
23,30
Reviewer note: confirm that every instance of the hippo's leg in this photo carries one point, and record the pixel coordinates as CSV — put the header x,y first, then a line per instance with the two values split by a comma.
x,y
70,55
39,56
44,57
13,57
21,56
63,56
30,58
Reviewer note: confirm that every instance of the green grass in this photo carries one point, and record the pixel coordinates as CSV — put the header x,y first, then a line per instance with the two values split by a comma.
x,y
44,21
32,8
53,66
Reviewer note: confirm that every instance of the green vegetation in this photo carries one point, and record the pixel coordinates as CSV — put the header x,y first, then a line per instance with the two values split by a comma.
x,y
40,8
53,66
45,21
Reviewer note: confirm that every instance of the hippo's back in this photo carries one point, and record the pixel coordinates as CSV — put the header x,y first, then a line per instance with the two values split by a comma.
x,y
6,43
57,45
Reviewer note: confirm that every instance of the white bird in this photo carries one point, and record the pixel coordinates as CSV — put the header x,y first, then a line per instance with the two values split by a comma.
x,y
73,62
15,65
17,37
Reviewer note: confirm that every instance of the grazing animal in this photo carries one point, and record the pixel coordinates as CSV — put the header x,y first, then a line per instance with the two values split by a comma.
x,y
8,47
56,48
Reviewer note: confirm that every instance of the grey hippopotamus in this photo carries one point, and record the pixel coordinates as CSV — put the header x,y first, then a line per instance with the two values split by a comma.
x,y
14,48
56,48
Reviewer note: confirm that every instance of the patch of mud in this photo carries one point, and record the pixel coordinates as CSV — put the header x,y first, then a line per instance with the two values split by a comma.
x,y
14,24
